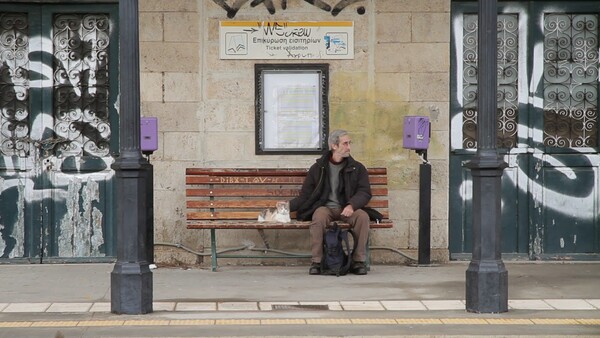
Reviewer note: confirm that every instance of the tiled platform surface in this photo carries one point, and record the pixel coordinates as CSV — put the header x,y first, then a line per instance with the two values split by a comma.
x,y
74,300
387,305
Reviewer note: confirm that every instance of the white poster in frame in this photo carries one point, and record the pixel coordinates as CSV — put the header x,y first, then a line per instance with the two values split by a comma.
x,y
291,106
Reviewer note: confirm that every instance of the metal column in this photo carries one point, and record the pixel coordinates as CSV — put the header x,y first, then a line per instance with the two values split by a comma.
x,y
486,276
131,278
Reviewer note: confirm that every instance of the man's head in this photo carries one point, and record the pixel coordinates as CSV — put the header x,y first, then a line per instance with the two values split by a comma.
x,y
339,144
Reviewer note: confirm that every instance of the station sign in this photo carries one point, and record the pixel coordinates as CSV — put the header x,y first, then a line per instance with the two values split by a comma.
x,y
288,40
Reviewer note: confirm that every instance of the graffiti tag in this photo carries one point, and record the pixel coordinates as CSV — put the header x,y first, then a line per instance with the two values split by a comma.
x,y
233,9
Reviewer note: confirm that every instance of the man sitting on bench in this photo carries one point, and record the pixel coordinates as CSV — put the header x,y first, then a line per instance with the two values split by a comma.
x,y
335,188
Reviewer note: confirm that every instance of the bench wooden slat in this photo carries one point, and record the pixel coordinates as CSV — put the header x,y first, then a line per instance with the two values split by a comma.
x,y
262,180
263,171
229,215
232,204
256,204
250,180
224,215
242,192
269,225
246,171
236,192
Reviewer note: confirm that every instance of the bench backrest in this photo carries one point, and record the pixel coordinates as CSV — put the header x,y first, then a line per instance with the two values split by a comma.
x,y
214,194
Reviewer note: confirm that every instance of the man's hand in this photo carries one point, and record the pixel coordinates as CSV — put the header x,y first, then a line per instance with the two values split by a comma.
x,y
348,211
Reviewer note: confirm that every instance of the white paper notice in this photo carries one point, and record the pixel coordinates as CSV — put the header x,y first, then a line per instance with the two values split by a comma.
x,y
291,111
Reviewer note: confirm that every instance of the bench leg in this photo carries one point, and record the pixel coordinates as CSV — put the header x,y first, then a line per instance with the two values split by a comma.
x,y
213,249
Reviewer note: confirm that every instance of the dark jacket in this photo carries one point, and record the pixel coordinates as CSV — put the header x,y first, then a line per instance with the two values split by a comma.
x,y
354,187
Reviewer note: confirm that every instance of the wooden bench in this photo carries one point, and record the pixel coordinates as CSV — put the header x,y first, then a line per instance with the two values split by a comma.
x,y
218,198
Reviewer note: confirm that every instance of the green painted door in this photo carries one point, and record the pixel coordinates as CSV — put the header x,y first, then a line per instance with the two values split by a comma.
x,y
59,132
547,128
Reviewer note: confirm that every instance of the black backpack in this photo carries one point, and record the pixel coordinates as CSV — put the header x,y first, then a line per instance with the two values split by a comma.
x,y
337,253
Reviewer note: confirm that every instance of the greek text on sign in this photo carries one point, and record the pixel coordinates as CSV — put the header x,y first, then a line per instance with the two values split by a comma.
x,y
292,40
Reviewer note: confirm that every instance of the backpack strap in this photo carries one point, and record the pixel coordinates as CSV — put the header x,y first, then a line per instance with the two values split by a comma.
x,y
354,240
349,250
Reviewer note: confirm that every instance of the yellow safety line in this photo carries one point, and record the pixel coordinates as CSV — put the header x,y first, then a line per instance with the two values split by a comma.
x,y
306,321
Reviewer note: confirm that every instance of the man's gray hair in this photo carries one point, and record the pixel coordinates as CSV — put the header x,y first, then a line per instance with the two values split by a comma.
x,y
334,137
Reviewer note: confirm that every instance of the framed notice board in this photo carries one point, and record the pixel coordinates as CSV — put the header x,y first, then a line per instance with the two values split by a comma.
x,y
292,109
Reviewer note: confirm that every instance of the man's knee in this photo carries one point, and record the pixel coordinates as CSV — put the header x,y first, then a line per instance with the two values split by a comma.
x,y
321,215
361,218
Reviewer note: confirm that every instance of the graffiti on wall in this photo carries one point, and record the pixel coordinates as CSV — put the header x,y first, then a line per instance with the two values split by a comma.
x,y
336,9
55,172
75,204
559,185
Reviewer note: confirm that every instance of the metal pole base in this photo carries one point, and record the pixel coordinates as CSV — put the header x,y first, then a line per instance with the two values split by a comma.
x,y
131,289
424,214
487,287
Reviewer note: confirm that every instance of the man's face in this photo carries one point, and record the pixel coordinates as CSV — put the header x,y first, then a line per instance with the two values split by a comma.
x,y
342,149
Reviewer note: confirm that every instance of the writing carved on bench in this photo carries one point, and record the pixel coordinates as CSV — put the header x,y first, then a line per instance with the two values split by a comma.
x,y
257,180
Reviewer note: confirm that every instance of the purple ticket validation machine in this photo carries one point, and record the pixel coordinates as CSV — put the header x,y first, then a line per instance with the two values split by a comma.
x,y
148,135
416,137
416,132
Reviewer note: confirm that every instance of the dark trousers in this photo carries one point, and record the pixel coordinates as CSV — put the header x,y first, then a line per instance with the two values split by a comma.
x,y
359,221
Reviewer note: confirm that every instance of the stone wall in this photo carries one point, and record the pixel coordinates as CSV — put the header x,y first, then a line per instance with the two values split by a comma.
x,y
206,113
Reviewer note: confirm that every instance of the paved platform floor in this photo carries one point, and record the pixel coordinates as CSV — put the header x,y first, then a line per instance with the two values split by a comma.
x,y
225,307
73,300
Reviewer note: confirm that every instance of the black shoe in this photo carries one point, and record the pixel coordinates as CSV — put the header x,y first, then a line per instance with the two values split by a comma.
x,y
359,268
315,269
